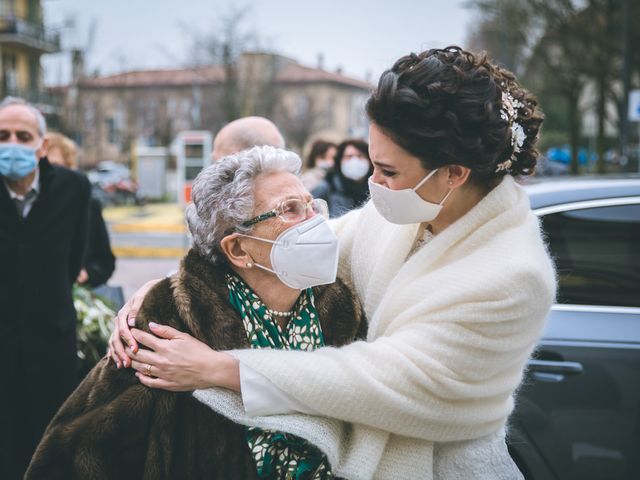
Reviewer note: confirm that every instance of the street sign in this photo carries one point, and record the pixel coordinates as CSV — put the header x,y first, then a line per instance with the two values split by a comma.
x,y
193,154
634,105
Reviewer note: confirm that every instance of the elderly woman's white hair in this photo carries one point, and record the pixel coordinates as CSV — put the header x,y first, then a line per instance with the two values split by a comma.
x,y
223,195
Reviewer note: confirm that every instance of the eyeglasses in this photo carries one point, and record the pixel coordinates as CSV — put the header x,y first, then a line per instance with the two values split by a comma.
x,y
292,210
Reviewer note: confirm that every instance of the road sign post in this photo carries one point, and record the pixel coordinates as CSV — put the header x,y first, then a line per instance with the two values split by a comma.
x,y
634,105
634,116
193,154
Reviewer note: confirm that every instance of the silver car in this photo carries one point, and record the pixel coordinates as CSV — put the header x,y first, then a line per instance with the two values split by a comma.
x,y
577,414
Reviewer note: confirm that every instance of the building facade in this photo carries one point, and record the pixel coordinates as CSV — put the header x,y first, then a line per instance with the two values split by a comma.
x,y
23,40
108,115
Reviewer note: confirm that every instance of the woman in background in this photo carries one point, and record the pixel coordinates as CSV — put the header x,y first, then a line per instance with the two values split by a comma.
x,y
345,187
319,162
99,261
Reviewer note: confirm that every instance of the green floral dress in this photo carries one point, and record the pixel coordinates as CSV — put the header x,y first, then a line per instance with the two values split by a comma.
x,y
280,455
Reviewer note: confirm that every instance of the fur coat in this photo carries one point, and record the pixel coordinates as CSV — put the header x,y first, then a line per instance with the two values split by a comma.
x,y
114,427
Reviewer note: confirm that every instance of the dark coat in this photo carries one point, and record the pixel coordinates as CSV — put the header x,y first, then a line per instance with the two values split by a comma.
x,y
341,194
100,261
40,257
114,427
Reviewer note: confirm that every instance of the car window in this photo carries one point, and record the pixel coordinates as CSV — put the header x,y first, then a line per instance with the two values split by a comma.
x,y
597,254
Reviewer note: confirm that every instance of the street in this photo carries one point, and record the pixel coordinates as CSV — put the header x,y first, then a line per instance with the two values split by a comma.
x,y
132,272
146,246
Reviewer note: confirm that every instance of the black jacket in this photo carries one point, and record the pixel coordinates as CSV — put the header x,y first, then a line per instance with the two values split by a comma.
x,y
40,257
341,194
100,262
113,427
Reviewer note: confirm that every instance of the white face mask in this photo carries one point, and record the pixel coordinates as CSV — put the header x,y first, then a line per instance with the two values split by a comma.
x,y
304,255
324,164
355,168
405,206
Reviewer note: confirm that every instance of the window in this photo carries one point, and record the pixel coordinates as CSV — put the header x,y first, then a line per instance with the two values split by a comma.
x,y
9,74
302,106
7,8
597,254
34,75
112,131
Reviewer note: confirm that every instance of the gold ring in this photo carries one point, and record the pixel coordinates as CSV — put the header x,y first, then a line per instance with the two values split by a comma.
x,y
148,370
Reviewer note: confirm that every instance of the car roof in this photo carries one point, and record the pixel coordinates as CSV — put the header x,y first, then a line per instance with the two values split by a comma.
x,y
555,191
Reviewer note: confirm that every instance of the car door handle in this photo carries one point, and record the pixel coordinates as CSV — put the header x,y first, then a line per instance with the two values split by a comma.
x,y
551,366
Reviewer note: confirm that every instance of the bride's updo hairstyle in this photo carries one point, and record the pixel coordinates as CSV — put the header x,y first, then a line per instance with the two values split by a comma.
x,y
452,107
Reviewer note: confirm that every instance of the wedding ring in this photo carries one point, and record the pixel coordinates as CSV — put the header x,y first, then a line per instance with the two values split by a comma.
x,y
148,370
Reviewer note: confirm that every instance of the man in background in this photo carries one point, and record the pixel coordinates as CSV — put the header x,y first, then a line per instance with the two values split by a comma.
x,y
245,133
43,230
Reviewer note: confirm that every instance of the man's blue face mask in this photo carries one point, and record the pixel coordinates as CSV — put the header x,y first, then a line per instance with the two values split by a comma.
x,y
17,161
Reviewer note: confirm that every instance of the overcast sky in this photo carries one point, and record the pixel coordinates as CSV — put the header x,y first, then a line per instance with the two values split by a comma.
x,y
358,35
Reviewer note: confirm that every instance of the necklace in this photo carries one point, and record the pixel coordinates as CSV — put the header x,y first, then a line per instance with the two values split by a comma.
x,y
276,313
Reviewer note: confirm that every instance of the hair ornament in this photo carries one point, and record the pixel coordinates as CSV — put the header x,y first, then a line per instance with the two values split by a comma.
x,y
509,113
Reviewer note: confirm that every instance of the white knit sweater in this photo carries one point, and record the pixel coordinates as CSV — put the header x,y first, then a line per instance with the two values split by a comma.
x,y
451,327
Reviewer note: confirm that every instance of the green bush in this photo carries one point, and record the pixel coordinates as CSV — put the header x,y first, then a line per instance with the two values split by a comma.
x,y
95,317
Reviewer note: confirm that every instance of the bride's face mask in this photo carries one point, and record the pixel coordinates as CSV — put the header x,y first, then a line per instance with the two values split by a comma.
x,y
405,206
397,178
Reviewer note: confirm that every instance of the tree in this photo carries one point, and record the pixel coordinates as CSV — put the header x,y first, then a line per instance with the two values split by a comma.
x,y
560,47
223,45
300,120
561,51
506,28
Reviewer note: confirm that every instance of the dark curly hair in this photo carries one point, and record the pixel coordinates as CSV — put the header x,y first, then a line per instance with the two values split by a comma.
x,y
443,106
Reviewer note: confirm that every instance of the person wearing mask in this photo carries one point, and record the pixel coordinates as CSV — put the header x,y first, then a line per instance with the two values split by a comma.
x,y
450,264
44,211
261,274
346,187
100,262
320,161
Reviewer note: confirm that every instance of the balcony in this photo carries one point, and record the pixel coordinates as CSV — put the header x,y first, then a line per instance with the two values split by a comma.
x,y
20,32
49,103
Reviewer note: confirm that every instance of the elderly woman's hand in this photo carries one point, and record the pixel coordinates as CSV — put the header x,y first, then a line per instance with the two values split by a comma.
x,y
126,318
178,362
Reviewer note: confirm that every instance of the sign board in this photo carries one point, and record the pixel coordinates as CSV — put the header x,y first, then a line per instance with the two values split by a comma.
x,y
192,155
151,168
634,106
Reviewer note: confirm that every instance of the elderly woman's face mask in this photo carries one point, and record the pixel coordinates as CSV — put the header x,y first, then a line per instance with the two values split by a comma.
x,y
306,254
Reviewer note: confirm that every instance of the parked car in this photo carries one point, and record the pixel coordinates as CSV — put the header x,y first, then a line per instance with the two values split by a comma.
x,y
113,185
577,414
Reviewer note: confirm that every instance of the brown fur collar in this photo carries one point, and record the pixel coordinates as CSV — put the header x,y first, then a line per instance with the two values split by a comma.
x,y
200,292
114,427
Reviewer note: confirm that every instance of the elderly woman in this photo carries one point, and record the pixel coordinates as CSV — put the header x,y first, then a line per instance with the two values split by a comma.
x,y
261,249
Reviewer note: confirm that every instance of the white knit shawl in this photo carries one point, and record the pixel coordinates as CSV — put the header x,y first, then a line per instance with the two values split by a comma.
x,y
450,331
